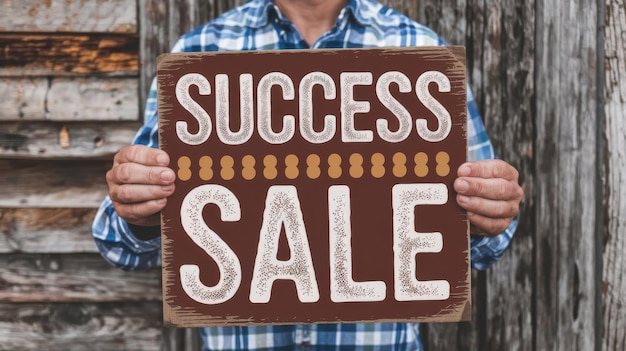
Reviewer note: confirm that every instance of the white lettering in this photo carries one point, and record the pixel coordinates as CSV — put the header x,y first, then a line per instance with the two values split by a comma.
x,y
342,287
407,242
222,107
385,97
282,208
185,100
440,112
264,107
306,108
350,107
227,261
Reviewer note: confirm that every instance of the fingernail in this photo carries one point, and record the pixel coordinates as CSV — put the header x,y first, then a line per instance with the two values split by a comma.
x,y
464,170
167,176
462,185
162,160
463,199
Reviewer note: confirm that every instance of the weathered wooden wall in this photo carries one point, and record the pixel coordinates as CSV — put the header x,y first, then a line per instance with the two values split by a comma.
x,y
550,81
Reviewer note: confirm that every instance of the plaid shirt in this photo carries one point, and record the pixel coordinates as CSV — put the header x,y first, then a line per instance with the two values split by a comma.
x,y
259,25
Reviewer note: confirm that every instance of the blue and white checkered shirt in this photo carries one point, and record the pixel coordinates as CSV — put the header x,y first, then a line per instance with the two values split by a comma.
x,y
259,25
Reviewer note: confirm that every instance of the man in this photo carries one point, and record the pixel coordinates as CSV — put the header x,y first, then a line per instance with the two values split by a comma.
x,y
126,228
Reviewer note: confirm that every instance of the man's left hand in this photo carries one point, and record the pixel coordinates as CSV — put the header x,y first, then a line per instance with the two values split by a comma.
x,y
490,193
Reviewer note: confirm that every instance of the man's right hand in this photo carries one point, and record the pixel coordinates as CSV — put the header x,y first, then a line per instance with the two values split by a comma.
x,y
139,184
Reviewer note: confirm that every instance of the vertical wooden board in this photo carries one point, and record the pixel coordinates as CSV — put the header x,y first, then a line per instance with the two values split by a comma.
x,y
614,260
162,24
507,89
566,125
69,16
448,18
500,60
126,326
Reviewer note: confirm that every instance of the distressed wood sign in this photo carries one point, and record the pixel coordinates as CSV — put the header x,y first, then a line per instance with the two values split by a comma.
x,y
314,186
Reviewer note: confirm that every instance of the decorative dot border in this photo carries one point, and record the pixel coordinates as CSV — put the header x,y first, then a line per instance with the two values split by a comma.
x,y
313,166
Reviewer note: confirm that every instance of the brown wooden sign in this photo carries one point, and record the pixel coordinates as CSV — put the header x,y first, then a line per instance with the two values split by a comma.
x,y
314,186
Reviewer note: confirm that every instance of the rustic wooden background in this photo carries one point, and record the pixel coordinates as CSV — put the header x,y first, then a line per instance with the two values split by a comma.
x,y
550,80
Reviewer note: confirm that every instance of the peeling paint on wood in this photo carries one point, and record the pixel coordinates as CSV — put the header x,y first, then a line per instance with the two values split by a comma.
x,y
78,54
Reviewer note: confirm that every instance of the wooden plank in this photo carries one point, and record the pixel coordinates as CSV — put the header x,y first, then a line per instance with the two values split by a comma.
x,y
566,123
65,54
614,261
500,63
163,23
90,140
69,16
52,184
69,99
506,85
448,18
73,278
48,230
81,326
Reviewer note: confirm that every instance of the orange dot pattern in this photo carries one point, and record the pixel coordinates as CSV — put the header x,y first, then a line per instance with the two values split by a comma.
x,y
314,166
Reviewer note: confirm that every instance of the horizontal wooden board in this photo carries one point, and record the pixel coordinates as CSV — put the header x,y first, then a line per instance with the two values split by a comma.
x,y
73,278
46,230
69,99
81,326
69,16
65,54
52,184
64,140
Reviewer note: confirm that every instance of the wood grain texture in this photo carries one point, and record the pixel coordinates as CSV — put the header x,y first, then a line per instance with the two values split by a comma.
x,y
163,24
68,54
34,230
86,141
506,88
69,99
73,278
52,184
123,326
118,16
566,124
614,261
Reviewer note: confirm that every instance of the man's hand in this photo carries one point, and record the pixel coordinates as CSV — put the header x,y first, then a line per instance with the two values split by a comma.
x,y
139,184
490,193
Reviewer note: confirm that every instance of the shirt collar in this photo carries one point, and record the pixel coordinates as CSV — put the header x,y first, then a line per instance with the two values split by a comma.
x,y
263,10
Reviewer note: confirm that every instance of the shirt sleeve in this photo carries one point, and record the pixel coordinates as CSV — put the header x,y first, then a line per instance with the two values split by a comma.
x,y
484,251
114,239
